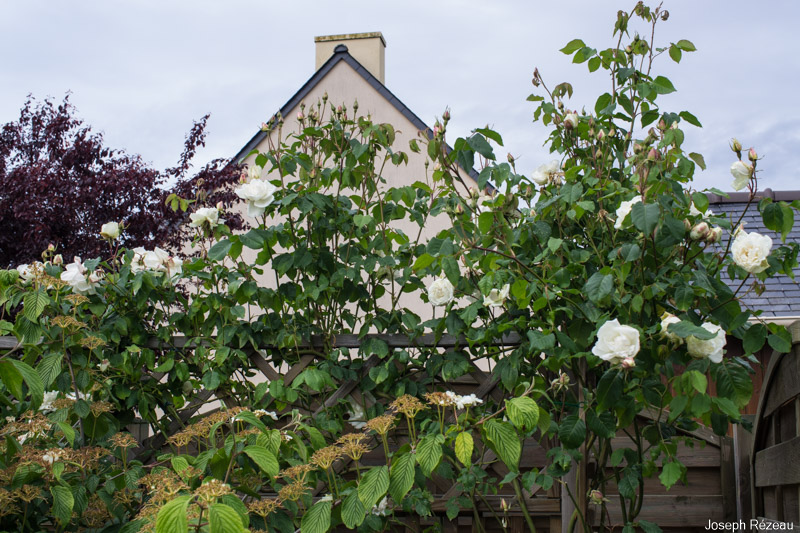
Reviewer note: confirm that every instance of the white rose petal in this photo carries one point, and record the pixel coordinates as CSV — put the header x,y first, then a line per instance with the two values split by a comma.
x,y
750,251
496,298
76,275
440,292
258,194
624,210
110,230
616,342
741,172
712,348
547,173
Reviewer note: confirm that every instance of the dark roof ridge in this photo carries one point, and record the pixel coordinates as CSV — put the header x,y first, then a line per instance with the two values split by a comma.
x,y
743,197
340,53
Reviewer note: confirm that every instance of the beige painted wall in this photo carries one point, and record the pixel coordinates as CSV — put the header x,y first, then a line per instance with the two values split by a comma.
x,y
343,85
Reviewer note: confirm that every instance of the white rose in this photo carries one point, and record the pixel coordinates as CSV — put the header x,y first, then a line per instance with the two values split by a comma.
x,y
258,194
750,251
571,120
440,292
75,275
109,230
204,215
547,173
616,342
712,348
624,210
741,172
467,401
666,320
496,298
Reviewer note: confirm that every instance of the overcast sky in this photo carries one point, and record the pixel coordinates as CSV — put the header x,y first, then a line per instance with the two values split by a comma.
x,y
141,71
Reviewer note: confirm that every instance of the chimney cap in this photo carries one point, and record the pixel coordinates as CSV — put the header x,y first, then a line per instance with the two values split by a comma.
x,y
350,36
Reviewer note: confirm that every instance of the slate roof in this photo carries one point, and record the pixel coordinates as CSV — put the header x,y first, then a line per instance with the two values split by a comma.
x,y
340,53
781,297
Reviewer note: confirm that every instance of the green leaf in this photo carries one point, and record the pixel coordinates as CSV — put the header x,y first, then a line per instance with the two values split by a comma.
x,y
780,341
573,46
686,46
32,380
317,519
733,382
35,302
603,425
423,261
698,159
649,527
697,380
670,473
505,442
684,329
220,250
691,119
68,431
464,447
609,389
645,217
481,145
598,286
353,511
63,502
429,453
223,519
265,460
373,486
401,476
485,221
172,517
49,368
451,270
675,53
663,86
523,412
700,201
572,431
12,379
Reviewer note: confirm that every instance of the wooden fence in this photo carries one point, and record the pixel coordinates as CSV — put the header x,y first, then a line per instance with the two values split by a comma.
x,y
710,493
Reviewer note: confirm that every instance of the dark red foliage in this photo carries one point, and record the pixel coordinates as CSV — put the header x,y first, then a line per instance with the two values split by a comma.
x,y
59,184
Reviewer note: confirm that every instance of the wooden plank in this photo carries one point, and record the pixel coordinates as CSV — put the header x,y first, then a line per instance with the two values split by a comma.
x,y
785,385
778,465
262,364
700,456
742,448
674,511
346,388
727,479
296,368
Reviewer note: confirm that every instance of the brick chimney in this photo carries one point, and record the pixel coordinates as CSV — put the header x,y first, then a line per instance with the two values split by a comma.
x,y
367,48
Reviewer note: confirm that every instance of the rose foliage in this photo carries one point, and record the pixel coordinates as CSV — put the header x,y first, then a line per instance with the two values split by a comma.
x,y
605,266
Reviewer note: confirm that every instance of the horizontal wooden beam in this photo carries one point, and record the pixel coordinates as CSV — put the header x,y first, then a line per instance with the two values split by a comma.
x,y
778,465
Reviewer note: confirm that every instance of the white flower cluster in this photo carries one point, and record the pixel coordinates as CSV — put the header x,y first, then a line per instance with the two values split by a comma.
x,y
461,402
496,298
156,260
80,279
261,412
382,509
28,272
256,191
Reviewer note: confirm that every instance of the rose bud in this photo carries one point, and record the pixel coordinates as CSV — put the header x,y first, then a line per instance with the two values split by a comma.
x,y
571,121
736,146
58,260
446,115
715,235
652,155
752,155
699,231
